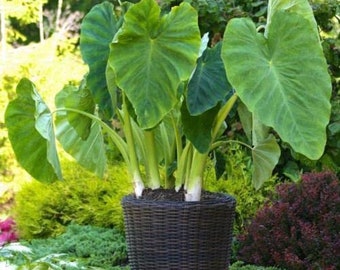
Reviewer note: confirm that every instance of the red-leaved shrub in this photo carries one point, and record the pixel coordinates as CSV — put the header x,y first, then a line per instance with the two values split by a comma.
x,y
299,229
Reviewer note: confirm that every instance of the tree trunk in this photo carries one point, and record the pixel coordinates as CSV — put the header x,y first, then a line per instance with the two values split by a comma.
x,y
41,22
3,32
60,4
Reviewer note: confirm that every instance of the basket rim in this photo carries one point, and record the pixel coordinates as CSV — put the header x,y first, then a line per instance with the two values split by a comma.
x,y
210,198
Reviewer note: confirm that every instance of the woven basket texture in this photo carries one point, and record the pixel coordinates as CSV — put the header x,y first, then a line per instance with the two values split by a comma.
x,y
173,235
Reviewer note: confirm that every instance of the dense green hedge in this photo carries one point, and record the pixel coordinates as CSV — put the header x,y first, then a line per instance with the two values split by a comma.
x,y
43,210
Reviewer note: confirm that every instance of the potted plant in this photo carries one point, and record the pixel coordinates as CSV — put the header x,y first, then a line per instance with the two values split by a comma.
x,y
171,94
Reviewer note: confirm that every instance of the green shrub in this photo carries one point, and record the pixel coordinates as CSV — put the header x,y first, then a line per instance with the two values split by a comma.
x,y
236,181
242,266
43,210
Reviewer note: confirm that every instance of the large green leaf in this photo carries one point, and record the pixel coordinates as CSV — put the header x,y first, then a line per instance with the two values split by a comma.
x,y
301,7
283,79
197,129
89,153
266,155
82,100
209,84
151,55
97,31
30,130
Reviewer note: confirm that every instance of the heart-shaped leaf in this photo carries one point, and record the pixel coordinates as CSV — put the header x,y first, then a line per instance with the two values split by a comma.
x,y
97,31
151,55
30,130
265,154
89,153
283,79
209,84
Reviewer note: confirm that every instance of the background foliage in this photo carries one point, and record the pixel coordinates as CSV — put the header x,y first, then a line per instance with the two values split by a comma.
x,y
236,181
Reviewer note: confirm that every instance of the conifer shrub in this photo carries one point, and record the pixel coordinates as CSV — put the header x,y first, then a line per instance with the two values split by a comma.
x,y
44,210
89,246
299,228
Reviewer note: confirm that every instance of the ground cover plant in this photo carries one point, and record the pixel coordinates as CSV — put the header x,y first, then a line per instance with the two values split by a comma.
x,y
298,229
80,247
90,246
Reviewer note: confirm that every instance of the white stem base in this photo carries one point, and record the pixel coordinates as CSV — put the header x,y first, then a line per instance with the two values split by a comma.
x,y
193,194
139,186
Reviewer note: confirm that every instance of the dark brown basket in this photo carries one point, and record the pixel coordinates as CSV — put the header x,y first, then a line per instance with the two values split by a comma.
x,y
179,235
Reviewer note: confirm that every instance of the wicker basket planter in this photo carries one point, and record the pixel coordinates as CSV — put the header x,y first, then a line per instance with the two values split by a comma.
x,y
179,235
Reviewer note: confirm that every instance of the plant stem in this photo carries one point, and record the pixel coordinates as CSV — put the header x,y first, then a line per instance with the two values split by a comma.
x,y
134,165
152,161
222,115
168,155
193,185
179,145
184,164
195,179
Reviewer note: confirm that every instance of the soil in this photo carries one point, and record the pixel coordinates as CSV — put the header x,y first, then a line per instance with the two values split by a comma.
x,y
171,195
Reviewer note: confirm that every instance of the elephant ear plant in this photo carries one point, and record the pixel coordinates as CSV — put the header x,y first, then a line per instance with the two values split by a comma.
x,y
155,74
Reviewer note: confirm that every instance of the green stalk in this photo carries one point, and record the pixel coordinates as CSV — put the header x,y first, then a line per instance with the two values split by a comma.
x,y
134,165
194,181
152,161
184,165
222,115
179,145
168,155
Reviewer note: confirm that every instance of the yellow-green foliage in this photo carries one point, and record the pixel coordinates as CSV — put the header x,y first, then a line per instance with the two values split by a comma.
x,y
236,181
44,210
